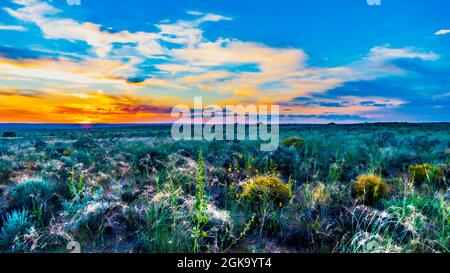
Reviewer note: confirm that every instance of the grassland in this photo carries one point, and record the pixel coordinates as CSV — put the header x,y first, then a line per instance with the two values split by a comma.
x,y
328,188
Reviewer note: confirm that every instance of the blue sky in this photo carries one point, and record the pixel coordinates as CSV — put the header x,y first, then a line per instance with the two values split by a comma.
x,y
131,61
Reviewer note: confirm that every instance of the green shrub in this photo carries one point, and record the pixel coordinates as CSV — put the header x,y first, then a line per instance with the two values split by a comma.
x,y
6,168
266,188
369,189
68,152
68,161
16,225
294,142
81,157
9,134
36,196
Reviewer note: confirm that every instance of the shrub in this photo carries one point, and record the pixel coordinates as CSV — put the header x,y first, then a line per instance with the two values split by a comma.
x,y
67,161
294,142
419,173
81,157
6,168
439,175
369,189
31,195
68,152
267,188
9,134
16,225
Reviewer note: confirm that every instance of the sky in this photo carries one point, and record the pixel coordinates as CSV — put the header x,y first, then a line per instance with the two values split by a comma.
x,y
133,61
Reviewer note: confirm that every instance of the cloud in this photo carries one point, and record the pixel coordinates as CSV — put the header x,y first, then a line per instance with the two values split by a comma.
x,y
12,28
194,13
102,39
442,32
321,118
225,52
65,70
445,96
44,16
22,92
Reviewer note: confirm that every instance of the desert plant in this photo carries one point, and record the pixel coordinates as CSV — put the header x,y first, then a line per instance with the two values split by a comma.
x,y
16,225
369,189
243,233
81,157
439,176
419,173
268,188
294,142
68,152
76,187
434,174
266,195
31,193
6,168
201,204
9,134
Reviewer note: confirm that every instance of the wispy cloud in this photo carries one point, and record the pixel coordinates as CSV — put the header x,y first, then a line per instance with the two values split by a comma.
x,y
12,28
442,32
